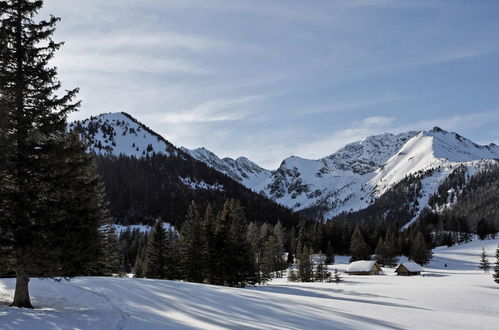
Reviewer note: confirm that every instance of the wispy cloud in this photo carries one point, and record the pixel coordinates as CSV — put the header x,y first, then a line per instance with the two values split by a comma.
x,y
218,110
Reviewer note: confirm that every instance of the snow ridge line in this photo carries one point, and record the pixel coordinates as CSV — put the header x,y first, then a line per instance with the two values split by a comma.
x,y
124,316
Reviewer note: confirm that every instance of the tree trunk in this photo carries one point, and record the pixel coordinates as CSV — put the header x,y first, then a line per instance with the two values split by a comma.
x,y
21,296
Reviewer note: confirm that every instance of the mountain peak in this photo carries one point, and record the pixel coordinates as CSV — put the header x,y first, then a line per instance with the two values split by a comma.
x,y
119,133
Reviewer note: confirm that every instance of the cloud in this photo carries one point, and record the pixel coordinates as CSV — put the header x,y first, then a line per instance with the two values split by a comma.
x,y
217,110
376,122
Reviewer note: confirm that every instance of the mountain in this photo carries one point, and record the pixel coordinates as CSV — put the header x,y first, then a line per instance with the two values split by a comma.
x,y
120,134
146,177
383,176
241,169
360,174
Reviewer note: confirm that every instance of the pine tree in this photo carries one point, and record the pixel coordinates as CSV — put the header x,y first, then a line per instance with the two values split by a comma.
x,y
329,254
321,273
292,275
48,224
484,262
273,261
496,267
191,246
155,253
390,250
112,258
305,267
380,252
420,253
358,247
336,277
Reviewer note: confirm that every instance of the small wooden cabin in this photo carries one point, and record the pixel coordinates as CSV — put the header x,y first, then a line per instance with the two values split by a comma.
x,y
363,267
408,269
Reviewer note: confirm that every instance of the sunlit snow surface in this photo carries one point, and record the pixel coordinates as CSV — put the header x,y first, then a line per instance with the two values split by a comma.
x,y
458,296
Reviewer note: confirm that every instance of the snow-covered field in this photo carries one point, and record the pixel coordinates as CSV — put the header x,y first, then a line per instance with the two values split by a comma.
x,y
456,296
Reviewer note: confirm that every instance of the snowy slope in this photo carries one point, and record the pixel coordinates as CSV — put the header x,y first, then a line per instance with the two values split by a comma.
x,y
459,296
241,169
120,134
348,180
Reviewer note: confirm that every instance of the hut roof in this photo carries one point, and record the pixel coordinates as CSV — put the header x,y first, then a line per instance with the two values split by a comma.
x,y
412,266
361,266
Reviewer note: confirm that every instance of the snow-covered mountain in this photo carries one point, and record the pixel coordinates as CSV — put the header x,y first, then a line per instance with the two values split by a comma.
x,y
241,169
355,176
120,134
348,180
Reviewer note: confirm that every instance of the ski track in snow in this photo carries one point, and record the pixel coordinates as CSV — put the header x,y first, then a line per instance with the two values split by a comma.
x,y
453,294
124,316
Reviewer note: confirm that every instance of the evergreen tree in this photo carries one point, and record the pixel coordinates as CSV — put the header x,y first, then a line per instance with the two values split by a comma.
x,y
321,273
273,261
380,252
358,247
496,267
112,260
336,277
305,267
329,254
484,262
292,275
420,253
191,246
48,224
390,250
155,253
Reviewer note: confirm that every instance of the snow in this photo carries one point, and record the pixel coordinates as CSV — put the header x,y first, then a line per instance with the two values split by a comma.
x,y
201,184
131,139
142,228
459,296
412,266
241,169
347,180
361,266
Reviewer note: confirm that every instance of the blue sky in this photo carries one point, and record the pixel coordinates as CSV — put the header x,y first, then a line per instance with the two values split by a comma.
x,y
271,79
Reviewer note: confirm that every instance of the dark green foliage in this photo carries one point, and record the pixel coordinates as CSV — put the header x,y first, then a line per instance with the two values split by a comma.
x,y
142,190
484,262
273,260
321,273
156,251
305,266
420,253
329,254
191,246
293,276
50,200
358,247
336,277
496,267
112,258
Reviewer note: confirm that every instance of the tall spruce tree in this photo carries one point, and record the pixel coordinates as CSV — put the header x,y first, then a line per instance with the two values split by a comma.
x,y
359,250
155,252
484,262
305,266
419,251
48,226
191,246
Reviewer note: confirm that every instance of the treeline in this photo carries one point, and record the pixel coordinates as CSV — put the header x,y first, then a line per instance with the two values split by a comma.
x,y
145,189
223,246
214,246
472,199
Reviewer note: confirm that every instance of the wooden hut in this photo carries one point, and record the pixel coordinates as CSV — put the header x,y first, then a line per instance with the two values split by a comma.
x,y
408,269
363,267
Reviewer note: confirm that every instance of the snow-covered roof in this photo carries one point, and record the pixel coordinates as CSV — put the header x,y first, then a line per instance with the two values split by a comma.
x,y
412,266
361,266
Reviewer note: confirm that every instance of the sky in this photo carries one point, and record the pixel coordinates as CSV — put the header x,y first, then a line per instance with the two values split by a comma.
x,y
275,78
